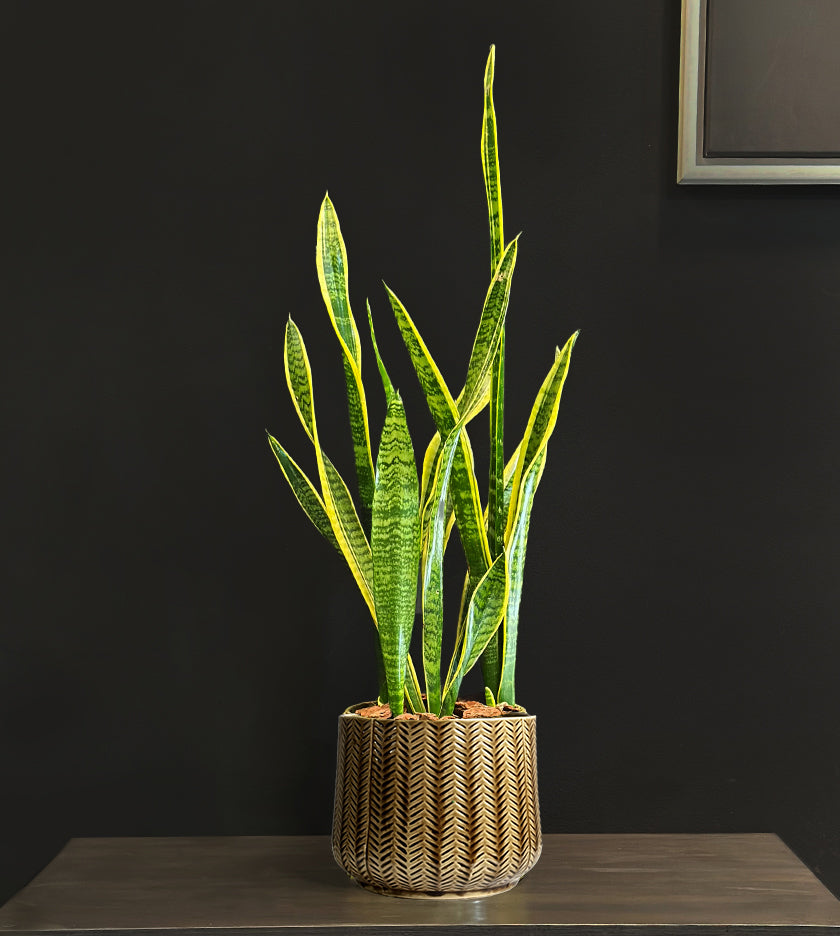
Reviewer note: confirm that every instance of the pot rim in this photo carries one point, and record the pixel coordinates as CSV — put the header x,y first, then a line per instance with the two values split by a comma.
x,y
350,712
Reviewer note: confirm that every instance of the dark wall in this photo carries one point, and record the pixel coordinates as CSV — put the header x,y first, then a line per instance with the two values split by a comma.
x,y
176,640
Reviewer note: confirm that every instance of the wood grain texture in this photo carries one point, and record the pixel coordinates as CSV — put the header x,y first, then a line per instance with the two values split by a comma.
x,y
625,885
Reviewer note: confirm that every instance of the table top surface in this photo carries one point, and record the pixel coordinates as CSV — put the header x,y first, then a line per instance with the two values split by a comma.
x,y
266,884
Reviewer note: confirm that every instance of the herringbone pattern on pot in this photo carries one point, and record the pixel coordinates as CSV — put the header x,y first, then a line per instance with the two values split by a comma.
x,y
436,806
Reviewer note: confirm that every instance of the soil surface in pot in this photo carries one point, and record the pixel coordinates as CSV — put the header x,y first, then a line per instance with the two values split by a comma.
x,y
463,709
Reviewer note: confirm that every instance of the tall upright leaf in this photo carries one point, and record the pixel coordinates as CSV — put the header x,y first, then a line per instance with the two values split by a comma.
x,y
491,659
464,487
387,386
331,261
484,614
541,422
432,570
530,463
509,629
491,327
490,164
395,544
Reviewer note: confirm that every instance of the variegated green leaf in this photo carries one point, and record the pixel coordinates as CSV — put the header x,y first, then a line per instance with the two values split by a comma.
x,y
412,687
433,571
438,398
510,471
464,487
491,658
299,377
347,520
466,502
496,487
484,614
331,261
387,386
541,422
490,164
337,501
466,593
516,567
430,461
340,523
489,334
308,498
395,543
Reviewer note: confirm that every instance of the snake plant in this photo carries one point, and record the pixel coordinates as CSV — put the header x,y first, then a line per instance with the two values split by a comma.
x,y
395,536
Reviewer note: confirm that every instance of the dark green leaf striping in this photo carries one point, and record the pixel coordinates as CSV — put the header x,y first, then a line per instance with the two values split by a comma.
x,y
490,164
516,568
440,402
332,269
304,491
490,330
433,571
387,386
395,545
542,420
299,377
485,613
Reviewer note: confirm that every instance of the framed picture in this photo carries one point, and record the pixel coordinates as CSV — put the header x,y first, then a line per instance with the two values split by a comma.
x,y
759,92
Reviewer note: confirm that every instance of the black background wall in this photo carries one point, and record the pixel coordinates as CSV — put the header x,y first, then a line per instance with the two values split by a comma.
x,y
176,640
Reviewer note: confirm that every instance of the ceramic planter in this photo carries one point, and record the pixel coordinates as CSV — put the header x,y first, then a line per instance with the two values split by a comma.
x,y
436,807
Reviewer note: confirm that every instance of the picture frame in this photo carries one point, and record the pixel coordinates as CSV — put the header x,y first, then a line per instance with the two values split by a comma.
x,y
758,106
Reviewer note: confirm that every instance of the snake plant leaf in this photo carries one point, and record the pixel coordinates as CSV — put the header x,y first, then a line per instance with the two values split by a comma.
x,y
336,515
395,545
348,522
303,489
299,377
338,503
430,463
331,261
412,687
484,615
432,592
387,386
516,566
441,404
494,391
496,487
489,334
491,658
490,164
464,486
541,422
510,471
443,407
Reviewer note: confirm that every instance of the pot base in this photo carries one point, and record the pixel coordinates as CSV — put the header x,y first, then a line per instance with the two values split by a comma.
x,y
437,895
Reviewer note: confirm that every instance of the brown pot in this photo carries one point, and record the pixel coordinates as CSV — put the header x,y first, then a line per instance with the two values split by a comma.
x,y
436,807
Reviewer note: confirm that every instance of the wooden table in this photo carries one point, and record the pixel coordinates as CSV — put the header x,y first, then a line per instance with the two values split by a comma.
x,y
609,885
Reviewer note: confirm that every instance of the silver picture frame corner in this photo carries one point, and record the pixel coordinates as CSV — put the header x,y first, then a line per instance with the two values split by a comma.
x,y
696,168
